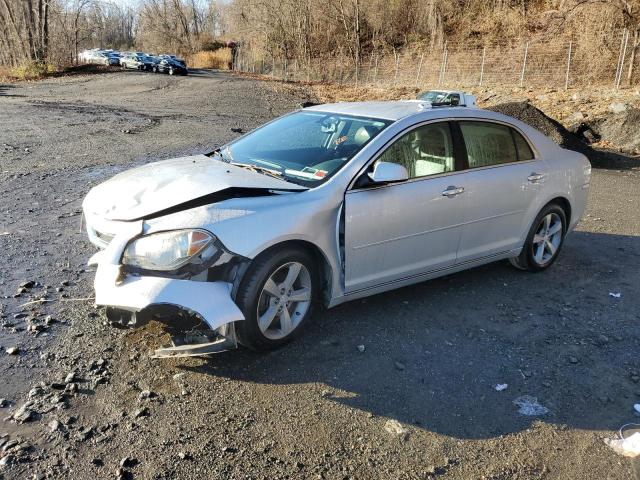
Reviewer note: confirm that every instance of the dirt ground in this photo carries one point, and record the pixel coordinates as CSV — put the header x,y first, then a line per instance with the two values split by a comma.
x,y
397,386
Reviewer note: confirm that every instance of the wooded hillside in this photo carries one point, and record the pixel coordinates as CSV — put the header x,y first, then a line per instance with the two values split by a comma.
x,y
306,30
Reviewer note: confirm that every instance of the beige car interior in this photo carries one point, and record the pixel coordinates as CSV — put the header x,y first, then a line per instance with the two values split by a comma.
x,y
425,151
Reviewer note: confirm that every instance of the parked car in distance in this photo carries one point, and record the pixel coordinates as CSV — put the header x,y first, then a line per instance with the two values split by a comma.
x,y
136,61
447,97
130,60
173,57
170,66
325,205
108,58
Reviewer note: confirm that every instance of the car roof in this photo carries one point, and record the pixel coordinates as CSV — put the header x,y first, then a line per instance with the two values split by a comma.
x,y
389,110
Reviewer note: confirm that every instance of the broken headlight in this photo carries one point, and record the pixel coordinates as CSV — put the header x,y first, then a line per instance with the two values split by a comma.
x,y
173,251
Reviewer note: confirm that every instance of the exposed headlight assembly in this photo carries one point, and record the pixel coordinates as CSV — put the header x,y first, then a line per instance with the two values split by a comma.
x,y
174,253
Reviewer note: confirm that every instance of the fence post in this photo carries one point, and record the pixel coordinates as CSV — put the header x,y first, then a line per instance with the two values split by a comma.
x,y
419,69
484,56
443,67
618,69
375,72
524,64
622,58
395,75
566,77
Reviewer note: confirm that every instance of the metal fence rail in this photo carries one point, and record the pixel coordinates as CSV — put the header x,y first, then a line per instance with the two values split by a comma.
x,y
548,63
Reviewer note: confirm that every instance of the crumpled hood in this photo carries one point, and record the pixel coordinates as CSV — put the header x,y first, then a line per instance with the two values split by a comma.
x,y
158,186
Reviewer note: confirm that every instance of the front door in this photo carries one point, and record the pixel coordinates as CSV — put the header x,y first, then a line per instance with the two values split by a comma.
x,y
401,230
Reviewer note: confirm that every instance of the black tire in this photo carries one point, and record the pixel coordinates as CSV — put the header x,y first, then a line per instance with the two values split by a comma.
x,y
248,331
526,260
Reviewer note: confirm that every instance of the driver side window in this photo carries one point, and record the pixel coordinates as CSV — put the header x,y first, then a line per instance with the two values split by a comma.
x,y
427,150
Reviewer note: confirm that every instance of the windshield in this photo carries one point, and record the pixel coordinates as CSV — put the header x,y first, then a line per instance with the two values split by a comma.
x,y
305,147
432,96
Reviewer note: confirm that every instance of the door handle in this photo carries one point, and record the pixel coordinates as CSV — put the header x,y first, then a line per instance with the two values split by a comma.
x,y
452,191
535,177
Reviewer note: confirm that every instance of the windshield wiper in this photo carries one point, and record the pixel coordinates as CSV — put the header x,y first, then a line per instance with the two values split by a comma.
x,y
259,169
225,156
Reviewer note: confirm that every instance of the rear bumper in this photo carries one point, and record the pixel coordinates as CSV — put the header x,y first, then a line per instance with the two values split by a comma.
x,y
211,301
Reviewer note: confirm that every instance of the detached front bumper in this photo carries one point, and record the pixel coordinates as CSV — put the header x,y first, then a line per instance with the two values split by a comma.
x,y
209,300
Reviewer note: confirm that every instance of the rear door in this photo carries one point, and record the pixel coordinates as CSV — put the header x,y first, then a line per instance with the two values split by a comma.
x,y
503,179
401,230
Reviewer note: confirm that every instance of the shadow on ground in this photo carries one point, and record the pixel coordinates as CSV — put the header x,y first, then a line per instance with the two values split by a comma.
x,y
607,159
434,351
4,88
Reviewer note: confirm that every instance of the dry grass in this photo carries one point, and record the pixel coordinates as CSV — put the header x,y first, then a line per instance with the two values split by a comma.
x,y
331,92
326,92
31,71
219,59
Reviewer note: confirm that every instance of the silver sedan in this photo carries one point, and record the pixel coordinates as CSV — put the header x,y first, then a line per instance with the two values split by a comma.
x,y
322,206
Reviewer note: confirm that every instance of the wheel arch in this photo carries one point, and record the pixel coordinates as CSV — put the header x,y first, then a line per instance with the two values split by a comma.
x,y
325,269
565,204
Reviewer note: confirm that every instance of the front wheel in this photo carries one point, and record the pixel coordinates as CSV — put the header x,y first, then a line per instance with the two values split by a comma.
x,y
544,240
277,298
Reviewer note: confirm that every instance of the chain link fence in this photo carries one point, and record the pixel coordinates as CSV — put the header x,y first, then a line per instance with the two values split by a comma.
x,y
540,63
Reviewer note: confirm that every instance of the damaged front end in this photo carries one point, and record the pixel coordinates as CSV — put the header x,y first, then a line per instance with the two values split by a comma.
x,y
183,278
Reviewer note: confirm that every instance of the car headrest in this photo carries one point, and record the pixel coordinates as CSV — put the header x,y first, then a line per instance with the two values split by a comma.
x,y
363,135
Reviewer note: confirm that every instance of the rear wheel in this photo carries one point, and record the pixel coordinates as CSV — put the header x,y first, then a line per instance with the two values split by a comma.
x,y
544,240
277,298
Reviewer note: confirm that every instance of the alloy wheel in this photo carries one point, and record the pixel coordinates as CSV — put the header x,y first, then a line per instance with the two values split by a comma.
x,y
284,300
547,239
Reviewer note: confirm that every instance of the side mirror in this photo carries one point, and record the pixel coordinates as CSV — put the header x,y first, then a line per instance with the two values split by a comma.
x,y
387,172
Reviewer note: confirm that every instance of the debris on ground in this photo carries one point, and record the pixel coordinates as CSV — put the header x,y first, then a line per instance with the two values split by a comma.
x,y
500,387
628,446
394,427
529,406
615,294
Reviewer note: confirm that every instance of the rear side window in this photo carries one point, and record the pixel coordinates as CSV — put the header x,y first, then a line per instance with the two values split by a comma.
x,y
524,150
488,144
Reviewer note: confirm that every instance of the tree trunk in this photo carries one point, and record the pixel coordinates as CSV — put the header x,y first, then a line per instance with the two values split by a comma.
x,y
45,30
30,27
16,33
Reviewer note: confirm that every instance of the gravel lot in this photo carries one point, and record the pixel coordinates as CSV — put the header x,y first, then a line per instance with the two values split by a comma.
x,y
417,402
